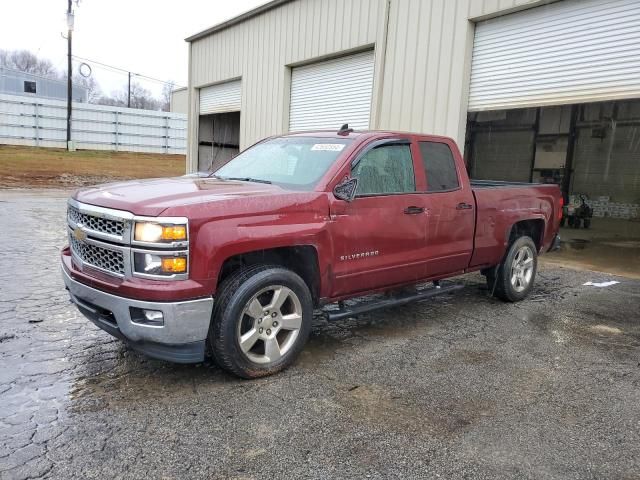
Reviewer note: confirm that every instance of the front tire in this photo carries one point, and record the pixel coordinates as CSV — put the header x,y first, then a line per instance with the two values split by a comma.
x,y
261,321
513,279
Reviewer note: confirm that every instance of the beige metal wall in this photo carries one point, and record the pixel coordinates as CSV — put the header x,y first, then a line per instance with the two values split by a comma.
x,y
179,101
422,49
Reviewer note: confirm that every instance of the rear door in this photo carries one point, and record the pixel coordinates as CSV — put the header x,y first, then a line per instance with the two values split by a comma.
x,y
379,237
451,209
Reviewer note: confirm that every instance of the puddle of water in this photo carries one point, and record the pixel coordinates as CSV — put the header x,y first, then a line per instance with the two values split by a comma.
x,y
578,243
610,255
605,329
624,244
391,409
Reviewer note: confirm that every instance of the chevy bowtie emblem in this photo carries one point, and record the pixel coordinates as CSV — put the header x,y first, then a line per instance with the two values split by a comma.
x,y
79,234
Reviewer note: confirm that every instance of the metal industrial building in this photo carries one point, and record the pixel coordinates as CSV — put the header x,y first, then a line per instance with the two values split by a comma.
x,y
530,89
179,102
13,82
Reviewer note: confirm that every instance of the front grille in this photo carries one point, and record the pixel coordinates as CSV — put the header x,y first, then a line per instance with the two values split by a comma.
x,y
97,224
103,258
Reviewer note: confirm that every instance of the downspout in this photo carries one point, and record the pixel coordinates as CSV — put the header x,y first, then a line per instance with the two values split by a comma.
x,y
383,59
193,119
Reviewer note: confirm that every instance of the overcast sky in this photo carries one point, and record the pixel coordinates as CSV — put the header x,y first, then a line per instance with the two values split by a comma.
x,y
144,36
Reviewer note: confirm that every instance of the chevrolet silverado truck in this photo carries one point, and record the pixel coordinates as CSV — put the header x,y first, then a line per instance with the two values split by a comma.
x,y
234,263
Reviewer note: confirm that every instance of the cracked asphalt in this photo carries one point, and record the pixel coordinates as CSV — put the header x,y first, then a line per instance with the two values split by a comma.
x,y
459,387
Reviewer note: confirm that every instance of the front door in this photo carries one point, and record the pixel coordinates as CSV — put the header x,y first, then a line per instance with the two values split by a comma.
x,y
379,237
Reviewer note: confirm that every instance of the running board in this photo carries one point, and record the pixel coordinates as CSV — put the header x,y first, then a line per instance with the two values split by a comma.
x,y
366,307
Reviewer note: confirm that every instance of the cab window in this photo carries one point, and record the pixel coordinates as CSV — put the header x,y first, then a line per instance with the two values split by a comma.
x,y
385,169
439,166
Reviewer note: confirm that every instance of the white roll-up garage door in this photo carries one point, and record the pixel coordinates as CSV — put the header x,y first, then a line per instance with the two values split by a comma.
x,y
572,51
220,98
331,93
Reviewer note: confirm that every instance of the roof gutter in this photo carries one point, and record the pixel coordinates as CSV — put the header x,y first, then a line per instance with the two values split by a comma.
x,y
239,19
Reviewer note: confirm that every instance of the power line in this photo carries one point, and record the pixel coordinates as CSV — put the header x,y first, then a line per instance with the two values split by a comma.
x,y
127,71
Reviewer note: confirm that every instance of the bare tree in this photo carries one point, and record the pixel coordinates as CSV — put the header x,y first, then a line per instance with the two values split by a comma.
x,y
167,88
94,93
140,98
110,100
28,62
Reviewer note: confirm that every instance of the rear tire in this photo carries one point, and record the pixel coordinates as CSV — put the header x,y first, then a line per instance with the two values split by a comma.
x,y
513,279
261,321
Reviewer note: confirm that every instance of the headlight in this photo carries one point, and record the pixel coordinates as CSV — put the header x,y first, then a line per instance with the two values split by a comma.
x,y
153,264
150,232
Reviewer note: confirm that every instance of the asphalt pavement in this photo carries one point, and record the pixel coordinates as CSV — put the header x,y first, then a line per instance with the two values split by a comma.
x,y
463,386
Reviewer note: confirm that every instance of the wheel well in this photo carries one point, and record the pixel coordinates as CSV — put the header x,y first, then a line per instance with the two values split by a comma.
x,y
530,228
302,259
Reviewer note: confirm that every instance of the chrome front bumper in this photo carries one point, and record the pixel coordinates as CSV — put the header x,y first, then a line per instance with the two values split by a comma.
x,y
180,339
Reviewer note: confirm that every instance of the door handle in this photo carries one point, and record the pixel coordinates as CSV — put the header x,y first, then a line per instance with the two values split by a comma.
x,y
464,206
413,210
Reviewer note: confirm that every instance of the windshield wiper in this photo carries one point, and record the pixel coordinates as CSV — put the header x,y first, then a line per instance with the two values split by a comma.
x,y
247,179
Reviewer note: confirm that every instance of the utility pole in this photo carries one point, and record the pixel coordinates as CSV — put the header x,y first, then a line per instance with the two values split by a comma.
x,y
69,72
129,92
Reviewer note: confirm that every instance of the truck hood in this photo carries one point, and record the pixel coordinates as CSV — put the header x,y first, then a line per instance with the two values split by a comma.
x,y
153,196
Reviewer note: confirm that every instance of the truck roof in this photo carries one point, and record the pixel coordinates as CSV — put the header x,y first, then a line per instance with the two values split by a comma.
x,y
357,134
330,134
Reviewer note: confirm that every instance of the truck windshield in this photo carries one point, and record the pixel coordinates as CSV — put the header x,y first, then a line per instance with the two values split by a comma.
x,y
295,162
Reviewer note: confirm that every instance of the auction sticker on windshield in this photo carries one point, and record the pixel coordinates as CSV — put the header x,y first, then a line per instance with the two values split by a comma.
x,y
328,147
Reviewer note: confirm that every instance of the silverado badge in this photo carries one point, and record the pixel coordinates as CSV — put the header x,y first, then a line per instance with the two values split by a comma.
x,y
79,234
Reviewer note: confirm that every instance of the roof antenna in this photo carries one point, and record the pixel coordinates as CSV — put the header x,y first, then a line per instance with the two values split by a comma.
x,y
345,130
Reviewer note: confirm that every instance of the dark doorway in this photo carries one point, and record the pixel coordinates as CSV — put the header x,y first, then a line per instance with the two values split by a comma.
x,y
218,139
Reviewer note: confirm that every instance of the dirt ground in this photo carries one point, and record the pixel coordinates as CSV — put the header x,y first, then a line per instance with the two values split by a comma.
x,y
33,167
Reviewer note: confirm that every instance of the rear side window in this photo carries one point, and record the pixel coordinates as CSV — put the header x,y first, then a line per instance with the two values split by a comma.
x,y
439,166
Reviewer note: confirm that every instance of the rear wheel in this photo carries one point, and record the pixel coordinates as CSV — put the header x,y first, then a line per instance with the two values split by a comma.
x,y
513,279
261,321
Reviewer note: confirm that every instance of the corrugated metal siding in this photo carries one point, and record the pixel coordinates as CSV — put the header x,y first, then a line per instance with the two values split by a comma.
x,y
12,83
180,101
42,122
425,76
221,98
262,49
420,79
330,93
568,52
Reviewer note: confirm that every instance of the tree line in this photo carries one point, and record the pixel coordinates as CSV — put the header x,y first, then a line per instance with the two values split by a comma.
x,y
28,62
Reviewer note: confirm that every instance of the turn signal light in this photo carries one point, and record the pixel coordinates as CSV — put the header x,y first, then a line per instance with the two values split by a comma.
x,y
153,232
174,264
174,232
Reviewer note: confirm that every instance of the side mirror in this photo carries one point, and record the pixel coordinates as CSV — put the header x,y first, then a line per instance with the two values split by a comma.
x,y
346,190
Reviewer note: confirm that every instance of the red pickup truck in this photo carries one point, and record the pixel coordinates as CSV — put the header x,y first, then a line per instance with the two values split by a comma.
x,y
233,263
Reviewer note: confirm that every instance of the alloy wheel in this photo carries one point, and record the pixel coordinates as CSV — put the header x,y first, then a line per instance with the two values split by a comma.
x,y
522,268
269,324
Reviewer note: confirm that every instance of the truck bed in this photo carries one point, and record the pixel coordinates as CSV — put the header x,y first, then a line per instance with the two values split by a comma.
x,y
476,184
499,205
